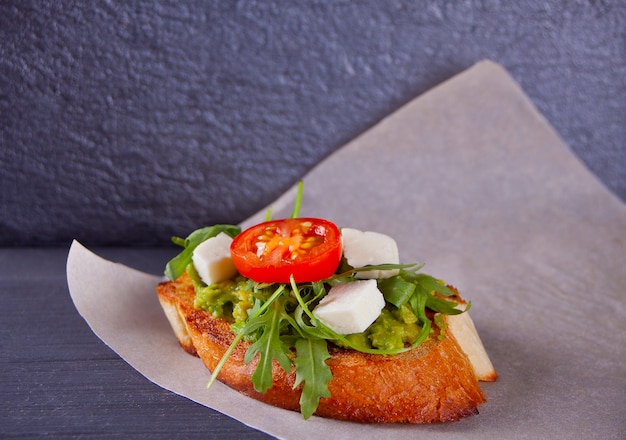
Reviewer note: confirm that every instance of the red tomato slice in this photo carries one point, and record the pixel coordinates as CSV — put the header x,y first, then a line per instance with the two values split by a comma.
x,y
273,251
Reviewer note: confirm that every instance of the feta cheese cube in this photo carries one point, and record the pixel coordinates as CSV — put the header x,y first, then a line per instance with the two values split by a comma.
x,y
350,307
368,248
212,259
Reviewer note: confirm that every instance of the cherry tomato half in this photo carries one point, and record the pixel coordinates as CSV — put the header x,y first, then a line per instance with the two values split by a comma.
x,y
270,252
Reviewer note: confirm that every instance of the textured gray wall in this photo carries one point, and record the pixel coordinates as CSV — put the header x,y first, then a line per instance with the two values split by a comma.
x,y
124,122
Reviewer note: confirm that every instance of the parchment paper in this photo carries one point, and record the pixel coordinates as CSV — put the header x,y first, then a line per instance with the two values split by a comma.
x,y
471,180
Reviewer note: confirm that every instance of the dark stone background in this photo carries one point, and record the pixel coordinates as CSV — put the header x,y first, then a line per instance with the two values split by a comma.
x,y
124,122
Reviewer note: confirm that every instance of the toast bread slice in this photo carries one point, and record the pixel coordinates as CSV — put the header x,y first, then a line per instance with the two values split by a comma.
x,y
434,382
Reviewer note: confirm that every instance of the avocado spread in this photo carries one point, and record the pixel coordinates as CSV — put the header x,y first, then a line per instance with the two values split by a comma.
x,y
230,299
395,328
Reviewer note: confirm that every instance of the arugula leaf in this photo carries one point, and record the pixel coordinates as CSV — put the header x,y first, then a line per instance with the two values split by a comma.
x,y
396,291
346,273
442,306
257,310
418,303
268,346
178,241
431,284
311,368
176,266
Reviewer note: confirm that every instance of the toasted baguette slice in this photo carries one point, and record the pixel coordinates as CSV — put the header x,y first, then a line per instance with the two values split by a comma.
x,y
433,383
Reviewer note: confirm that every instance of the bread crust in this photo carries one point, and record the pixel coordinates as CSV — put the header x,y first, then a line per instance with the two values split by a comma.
x,y
434,382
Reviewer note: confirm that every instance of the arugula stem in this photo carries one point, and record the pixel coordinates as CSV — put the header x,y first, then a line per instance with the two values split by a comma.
x,y
296,206
296,292
270,300
224,358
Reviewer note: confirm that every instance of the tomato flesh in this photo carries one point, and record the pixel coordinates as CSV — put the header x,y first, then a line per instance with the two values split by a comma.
x,y
273,251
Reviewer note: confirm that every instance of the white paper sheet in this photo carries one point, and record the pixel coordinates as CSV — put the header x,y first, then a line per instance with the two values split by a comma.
x,y
471,180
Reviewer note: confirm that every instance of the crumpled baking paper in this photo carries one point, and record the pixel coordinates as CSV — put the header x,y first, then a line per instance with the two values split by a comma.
x,y
472,181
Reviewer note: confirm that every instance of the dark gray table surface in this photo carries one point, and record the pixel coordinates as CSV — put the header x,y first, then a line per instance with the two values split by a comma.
x,y
58,379
122,123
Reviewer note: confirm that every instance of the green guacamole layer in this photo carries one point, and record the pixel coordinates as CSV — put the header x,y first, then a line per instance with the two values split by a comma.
x,y
232,299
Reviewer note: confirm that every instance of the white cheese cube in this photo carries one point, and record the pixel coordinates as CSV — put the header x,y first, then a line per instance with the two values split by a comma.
x,y
350,307
212,259
368,248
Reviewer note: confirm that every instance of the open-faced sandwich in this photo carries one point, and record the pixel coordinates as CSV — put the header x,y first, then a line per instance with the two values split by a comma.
x,y
304,316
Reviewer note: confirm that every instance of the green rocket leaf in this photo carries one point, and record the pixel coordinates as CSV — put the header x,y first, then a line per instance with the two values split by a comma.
x,y
312,370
